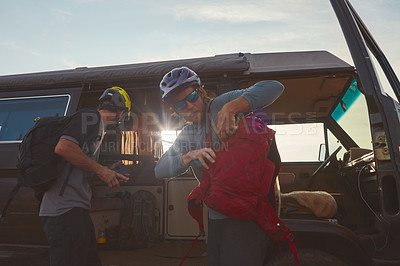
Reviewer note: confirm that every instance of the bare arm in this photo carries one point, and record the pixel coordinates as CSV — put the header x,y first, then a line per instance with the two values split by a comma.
x,y
73,154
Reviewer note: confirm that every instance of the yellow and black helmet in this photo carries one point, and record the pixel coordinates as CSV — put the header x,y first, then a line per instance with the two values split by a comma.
x,y
116,97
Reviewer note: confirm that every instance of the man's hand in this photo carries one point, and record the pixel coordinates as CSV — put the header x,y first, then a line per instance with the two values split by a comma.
x,y
204,155
226,125
110,177
120,168
115,164
74,154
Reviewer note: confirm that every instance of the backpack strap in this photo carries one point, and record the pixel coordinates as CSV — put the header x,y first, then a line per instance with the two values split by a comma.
x,y
66,180
91,137
208,140
211,126
10,198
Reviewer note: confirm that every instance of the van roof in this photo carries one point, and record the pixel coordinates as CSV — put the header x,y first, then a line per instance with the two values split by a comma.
x,y
267,64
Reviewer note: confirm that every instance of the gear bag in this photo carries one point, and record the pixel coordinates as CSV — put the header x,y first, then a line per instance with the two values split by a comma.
x,y
143,217
37,161
238,184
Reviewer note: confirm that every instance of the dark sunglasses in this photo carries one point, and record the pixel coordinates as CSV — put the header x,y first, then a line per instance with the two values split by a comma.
x,y
192,98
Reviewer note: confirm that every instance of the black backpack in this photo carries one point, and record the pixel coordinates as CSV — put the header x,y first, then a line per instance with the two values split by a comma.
x,y
37,161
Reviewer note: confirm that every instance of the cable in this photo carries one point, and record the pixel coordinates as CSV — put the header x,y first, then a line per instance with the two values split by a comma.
x,y
384,245
381,219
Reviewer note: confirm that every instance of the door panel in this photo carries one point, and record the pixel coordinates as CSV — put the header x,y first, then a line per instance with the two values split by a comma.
x,y
179,223
296,176
22,223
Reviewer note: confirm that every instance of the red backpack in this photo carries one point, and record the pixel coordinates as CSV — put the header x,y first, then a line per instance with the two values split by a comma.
x,y
238,183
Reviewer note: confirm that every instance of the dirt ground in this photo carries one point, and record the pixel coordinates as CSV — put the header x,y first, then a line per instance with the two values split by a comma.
x,y
160,254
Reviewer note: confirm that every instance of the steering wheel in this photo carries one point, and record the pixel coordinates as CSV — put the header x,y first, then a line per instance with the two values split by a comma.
x,y
327,160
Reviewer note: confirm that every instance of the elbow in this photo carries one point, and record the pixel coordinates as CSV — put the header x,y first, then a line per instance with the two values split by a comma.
x,y
59,149
65,147
158,172
267,92
279,87
164,169
274,87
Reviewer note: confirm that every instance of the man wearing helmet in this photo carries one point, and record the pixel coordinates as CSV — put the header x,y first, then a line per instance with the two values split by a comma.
x,y
229,241
66,220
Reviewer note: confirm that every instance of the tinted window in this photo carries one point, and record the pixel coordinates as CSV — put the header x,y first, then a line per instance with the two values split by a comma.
x,y
17,115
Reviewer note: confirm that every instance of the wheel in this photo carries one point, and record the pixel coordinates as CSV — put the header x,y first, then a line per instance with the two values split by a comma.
x,y
327,160
307,257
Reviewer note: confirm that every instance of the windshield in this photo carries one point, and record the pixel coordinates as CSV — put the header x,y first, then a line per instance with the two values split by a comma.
x,y
351,113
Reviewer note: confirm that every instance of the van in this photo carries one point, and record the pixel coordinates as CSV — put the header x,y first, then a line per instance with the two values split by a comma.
x,y
338,133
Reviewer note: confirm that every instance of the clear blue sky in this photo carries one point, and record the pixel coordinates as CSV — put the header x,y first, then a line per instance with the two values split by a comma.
x,y
47,35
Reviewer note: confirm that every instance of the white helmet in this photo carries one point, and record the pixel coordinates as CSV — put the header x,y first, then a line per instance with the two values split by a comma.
x,y
177,79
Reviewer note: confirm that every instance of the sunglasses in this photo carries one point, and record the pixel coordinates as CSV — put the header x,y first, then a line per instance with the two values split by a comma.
x,y
192,98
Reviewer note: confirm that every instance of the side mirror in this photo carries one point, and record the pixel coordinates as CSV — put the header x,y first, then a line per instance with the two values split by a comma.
x,y
322,152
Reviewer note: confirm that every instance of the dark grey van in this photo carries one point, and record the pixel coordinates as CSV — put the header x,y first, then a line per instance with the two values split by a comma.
x,y
337,130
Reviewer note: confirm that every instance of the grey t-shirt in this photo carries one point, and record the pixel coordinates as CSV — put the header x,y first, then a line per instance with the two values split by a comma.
x,y
77,192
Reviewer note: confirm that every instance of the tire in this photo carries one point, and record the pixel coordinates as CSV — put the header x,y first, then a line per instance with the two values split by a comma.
x,y
307,257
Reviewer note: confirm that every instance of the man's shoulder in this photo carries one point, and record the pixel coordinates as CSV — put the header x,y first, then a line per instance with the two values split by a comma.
x,y
90,115
84,124
88,110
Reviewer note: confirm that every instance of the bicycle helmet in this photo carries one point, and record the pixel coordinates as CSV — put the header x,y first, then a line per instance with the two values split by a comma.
x,y
116,97
178,79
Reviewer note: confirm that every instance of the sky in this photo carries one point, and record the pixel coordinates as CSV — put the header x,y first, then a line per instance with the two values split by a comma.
x,y
45,35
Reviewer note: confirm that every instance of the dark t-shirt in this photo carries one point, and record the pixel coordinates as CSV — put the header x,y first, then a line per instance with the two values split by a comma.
x,y
86,130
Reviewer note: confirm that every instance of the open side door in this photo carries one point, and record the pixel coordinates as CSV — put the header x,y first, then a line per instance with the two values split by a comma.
x,y
383,110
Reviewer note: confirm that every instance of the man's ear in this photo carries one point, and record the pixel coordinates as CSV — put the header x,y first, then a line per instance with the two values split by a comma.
x,y
201,90
203,94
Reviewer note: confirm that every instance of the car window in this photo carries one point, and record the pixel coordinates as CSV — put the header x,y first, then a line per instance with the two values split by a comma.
x,y
299,142
295,142
17,115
